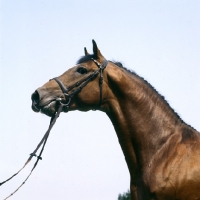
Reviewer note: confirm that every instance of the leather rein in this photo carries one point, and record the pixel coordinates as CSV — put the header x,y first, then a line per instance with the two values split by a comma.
x,y
79,86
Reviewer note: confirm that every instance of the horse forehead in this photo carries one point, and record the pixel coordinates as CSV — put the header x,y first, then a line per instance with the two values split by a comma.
x,y
90,64
87,65
68,72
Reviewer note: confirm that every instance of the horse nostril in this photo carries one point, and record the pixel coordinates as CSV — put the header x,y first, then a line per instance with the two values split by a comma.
x,y
35,97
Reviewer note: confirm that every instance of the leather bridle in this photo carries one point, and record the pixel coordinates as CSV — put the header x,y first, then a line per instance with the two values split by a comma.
x,y
81,84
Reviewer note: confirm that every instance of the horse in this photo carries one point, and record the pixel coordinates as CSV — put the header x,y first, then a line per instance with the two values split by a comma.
x,y
162,152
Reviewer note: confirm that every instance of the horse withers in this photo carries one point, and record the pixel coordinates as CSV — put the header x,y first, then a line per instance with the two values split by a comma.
x,y
162,152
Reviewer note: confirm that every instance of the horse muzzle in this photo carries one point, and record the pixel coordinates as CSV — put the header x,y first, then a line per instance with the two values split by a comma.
x,y
45,102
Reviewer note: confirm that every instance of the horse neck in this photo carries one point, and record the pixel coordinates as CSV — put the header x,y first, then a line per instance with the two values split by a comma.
x,y
141,117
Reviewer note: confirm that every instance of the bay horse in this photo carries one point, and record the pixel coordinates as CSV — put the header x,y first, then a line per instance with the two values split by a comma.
x,y
162,152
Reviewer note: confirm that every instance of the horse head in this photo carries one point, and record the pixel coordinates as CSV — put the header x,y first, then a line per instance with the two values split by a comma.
x,y
79,88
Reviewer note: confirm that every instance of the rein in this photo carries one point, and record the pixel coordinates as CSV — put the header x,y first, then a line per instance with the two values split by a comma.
x,y
79,86
43,141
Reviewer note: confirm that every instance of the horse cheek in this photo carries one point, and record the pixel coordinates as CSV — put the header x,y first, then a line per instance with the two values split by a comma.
x,y
89,96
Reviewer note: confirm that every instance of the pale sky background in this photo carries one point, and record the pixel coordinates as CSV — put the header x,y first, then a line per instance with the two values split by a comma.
x,y
160,40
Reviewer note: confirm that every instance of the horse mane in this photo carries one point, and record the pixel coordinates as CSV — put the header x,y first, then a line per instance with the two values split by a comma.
x,y
120,65
85,58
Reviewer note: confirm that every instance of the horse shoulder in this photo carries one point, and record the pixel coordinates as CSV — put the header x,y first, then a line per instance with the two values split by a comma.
x,y
175,169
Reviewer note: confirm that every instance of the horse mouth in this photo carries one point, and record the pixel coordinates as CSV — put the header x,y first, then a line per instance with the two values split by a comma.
x,y
46,103
48,109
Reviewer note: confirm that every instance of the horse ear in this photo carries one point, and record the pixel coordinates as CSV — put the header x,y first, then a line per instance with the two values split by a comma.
x,y
86,52
96,51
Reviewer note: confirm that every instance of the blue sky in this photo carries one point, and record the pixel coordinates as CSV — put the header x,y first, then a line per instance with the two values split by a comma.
x,y
39,40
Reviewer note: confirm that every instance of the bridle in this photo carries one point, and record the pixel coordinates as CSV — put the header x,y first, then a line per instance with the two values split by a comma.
x,y
81,84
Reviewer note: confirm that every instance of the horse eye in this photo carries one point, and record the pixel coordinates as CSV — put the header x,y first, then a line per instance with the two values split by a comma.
x,y
82,70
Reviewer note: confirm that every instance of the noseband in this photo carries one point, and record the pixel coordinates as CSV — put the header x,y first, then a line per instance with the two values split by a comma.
x,y
81,84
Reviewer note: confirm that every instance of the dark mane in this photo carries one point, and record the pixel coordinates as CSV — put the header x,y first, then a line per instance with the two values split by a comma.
x,y
85,59
89,57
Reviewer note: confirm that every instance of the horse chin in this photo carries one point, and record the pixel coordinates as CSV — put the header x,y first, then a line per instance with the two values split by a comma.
x,y
35,108
49,109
